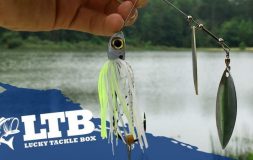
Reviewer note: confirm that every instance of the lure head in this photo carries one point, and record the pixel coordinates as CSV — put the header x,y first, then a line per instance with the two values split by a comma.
x,y
116,46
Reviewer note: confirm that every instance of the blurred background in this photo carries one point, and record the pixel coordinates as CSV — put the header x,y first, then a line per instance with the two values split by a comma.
x,y
158,25
159,52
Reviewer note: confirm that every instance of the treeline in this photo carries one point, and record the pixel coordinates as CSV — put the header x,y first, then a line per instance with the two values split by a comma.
x,y
161,25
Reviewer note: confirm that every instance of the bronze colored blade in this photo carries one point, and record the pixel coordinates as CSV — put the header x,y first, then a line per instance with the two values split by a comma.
x,y
194,60
226,108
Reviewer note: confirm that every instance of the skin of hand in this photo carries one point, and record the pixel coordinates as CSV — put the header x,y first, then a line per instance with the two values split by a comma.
x,y
99,17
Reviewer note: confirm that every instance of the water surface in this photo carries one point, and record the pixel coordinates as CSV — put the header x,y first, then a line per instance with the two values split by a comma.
x,y
164,86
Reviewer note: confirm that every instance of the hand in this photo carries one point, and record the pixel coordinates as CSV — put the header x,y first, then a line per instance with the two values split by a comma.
x,y
100,17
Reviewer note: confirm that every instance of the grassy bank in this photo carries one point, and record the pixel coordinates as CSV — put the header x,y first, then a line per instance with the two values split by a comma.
x,y
88,46
239,149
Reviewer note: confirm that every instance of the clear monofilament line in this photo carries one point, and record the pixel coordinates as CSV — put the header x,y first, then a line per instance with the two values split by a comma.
x,y
169,3
128,16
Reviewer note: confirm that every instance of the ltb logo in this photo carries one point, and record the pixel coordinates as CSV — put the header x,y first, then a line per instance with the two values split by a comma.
x,y
79,123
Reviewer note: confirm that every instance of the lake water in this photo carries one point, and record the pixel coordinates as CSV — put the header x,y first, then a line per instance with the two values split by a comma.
x,y
164,86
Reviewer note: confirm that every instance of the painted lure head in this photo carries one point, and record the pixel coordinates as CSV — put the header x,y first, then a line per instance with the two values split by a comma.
x,y
116,46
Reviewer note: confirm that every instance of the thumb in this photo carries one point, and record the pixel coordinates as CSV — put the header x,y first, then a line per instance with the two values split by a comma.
x,y
90,21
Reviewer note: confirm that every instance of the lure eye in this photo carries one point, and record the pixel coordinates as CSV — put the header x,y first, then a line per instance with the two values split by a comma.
x,y
117,43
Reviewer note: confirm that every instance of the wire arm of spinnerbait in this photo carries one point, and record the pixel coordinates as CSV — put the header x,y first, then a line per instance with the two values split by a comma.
x,y
226,108
192,21
220,41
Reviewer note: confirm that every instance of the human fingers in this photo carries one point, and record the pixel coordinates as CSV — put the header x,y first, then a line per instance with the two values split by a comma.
x,y
27,15
96,22
125,8
138,3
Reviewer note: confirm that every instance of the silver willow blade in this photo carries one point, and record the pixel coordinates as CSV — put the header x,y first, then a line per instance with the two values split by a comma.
x,y
194,60
226,108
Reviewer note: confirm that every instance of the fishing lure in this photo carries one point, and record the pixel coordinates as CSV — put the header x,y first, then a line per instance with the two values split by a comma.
x,y
226,106
226,101
116,96
194,60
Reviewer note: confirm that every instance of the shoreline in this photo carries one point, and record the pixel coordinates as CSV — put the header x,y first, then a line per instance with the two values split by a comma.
x,y
93,47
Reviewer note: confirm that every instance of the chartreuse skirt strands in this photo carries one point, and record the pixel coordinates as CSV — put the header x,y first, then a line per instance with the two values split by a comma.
x,y
116,97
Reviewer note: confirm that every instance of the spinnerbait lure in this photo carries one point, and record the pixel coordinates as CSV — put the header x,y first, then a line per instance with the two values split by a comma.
x,y
116,96
226,101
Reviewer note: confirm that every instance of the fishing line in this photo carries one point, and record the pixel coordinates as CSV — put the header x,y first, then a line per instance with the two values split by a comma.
x,y
201,26
128,16
169,3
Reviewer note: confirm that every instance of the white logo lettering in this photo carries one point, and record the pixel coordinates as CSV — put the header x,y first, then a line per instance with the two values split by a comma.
x,y
79,123
30,129
84,122
53,125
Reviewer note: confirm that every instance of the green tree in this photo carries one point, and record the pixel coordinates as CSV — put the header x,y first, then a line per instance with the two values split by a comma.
x,y
237,31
